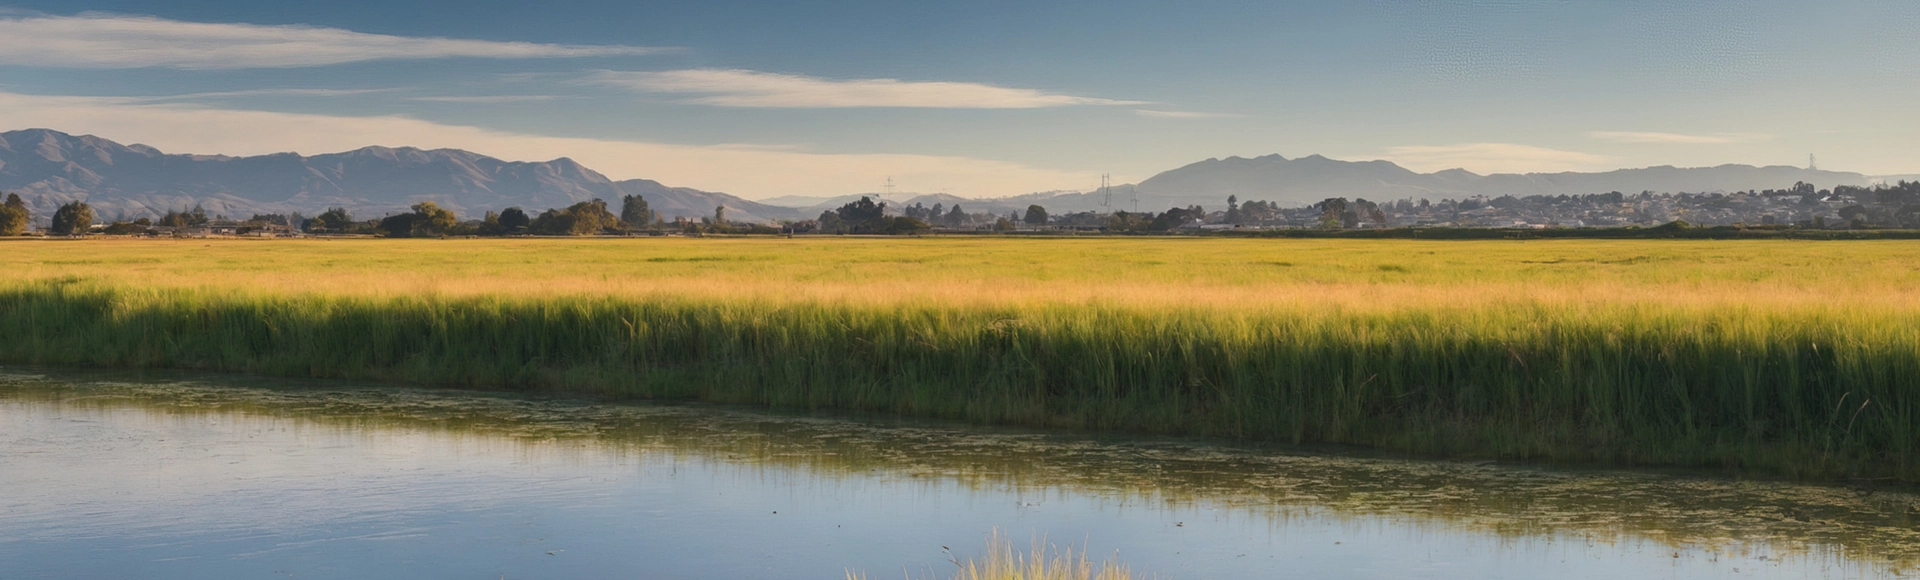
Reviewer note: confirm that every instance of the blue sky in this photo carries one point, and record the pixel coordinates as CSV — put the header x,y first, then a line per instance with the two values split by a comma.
x,y
766,98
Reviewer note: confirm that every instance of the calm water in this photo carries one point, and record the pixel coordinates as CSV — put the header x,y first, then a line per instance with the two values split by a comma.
x,y
214,477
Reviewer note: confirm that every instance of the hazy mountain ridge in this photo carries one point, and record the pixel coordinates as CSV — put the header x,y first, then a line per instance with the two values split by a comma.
x,y
127,181
1314,178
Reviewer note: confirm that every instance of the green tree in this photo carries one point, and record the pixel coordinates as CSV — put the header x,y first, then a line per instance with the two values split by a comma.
x,y
719,215
906,225
14,216
1121,221
859,217
514,219
432,219
72,219
1233,209
125,229
427,219
1036,215
580,219
634,212
1333,212
333,221
398,225
863,211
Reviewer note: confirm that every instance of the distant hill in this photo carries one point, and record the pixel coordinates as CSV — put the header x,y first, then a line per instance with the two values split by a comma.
x,y
1314,178
128,181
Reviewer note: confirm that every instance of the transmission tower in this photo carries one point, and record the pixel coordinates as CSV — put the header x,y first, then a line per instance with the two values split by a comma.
x,y
1106,194
1811,164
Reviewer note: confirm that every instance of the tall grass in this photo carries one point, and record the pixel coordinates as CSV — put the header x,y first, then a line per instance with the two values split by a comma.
x,y
1765,371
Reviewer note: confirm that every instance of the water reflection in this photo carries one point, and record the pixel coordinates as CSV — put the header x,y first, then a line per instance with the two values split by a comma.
x,y
444,473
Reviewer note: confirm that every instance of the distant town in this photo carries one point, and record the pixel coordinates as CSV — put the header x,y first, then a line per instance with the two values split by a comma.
x,y
1800,206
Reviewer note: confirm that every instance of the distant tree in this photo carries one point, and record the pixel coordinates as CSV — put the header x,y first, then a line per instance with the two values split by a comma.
x,y
720,215
1003,225
1333,212
829,222
634,212
125,229
1853,212
432,219
864,211
72,219
858,217
333,221
580,219
917,211
426,220
906,225
1036,215
1121,221
14,216
1369,211
397,225
1176,217
955,217
514,219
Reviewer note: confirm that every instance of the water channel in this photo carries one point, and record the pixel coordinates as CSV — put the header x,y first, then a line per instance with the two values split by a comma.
x,y
191,476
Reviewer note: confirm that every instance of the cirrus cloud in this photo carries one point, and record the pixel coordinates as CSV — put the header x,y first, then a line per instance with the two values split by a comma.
x,y
746,88
97,40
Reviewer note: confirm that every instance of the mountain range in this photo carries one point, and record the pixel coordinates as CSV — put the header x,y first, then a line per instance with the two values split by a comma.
x,y
1313,178
51,168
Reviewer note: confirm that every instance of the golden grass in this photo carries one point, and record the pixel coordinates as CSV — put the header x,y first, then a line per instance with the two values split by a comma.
x,y
1791,357
1230,274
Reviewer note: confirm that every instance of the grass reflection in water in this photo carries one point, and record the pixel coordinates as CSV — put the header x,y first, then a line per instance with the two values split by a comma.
x,y
1677,509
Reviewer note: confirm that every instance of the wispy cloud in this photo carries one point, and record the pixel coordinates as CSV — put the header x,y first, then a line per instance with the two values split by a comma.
x,y
1157,114
486,99
264,93
1675,138
96,40
745,88
776,169
1493,158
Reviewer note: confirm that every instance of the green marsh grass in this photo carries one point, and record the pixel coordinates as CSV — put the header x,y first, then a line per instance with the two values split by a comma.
x,y
1787,358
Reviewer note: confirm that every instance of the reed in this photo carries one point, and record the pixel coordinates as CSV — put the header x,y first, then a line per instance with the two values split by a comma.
x,y
1771,357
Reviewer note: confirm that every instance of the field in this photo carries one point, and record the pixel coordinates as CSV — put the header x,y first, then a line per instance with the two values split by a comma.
x,y
1781,357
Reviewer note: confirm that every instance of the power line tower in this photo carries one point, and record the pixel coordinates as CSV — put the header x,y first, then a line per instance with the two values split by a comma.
x,y
1811,164
1106,194
887,192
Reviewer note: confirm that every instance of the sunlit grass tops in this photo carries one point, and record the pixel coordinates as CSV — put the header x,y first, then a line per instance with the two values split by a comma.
x,y
1785,357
